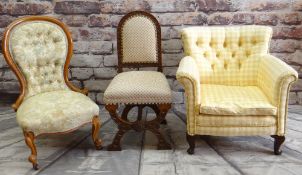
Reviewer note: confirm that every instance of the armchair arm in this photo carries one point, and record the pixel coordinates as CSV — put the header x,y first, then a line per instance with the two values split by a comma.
x,y
188,75
275,78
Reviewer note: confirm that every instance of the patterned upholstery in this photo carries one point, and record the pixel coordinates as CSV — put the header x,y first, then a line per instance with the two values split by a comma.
x,y
56,111
138,87
139,40
233,86
227,55
39,48
234,100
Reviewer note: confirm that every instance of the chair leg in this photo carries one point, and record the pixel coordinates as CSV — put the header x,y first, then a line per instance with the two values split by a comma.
x,y
279,140
191,141
95,132
29,140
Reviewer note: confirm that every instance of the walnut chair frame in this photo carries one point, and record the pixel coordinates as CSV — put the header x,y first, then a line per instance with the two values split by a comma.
x,y
30,136
160,110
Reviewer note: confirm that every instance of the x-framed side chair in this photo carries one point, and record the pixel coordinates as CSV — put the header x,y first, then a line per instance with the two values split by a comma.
x,y
139,45
233,86
38,49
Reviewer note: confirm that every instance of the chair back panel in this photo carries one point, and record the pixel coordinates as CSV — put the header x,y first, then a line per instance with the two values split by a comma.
x,y
39,48
227,55
139,40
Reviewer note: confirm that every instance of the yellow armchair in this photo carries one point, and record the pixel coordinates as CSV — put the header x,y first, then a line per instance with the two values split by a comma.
x,y
233,86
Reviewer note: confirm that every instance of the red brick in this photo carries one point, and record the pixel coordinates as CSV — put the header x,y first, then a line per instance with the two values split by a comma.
x,y
267,5
29,8
74,20
104,20
283,46
77,7
220,19
123,6
297,5
215,5
93,34
5,20
243,18
190,18
266,19
294,18
171,5
288,32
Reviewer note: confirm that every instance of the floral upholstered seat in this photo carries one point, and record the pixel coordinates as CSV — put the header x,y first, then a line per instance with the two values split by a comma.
x,y
38,49
233,86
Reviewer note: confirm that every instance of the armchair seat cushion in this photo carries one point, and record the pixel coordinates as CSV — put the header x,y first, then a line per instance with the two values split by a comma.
x,y
138,87
234,100
56,111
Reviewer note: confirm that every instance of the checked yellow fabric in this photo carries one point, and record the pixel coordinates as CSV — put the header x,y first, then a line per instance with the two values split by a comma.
x,y
234,100
233,86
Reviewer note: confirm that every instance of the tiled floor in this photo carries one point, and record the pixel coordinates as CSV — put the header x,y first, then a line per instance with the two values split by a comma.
x,y
74,153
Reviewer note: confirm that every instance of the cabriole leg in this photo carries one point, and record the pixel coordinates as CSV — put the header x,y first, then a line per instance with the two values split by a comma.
x,y
96,124
29,140
279,140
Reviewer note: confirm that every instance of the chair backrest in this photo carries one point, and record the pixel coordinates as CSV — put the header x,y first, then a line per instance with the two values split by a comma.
x,y
139,41
38,49
227,55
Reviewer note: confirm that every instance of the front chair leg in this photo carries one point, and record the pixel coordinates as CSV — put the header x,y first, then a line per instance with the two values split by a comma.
x,y
95,132
29,140
191,141
277,144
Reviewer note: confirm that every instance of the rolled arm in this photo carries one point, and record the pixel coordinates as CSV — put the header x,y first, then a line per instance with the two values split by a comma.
x,y
188,75
188,70
275,78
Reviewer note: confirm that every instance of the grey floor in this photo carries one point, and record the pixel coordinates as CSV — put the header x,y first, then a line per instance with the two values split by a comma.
x,y
74,153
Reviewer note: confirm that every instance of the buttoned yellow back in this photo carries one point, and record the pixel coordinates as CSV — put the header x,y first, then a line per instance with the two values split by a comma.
x,y
227,55
39,49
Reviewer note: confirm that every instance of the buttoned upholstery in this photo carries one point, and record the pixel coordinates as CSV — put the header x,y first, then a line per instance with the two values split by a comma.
x,y
227,55
233,86
39,48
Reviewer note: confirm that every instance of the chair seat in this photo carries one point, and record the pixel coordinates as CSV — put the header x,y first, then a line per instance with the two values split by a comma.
x,y
56,111
234,100
138,87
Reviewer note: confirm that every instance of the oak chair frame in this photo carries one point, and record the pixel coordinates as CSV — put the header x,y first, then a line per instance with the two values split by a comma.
x,y
160,110
29,135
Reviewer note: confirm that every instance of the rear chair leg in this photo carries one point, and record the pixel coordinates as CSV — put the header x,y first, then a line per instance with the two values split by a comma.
x,y
191,141
29,140
277,144
95,132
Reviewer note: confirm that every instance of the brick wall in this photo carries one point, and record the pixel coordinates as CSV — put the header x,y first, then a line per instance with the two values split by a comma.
x,y
93,26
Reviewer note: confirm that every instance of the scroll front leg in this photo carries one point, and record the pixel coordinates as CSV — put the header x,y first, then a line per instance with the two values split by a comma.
x,y
29,140
154,125
277,144
95,132
123,126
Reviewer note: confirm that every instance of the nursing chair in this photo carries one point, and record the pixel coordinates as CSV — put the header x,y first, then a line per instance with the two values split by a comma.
x,y
38,49
139,45
233,86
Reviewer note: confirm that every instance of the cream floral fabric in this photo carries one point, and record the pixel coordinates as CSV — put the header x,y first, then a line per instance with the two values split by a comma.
x,y
234,100
138,87
39,49
139,40
241,90
55,111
